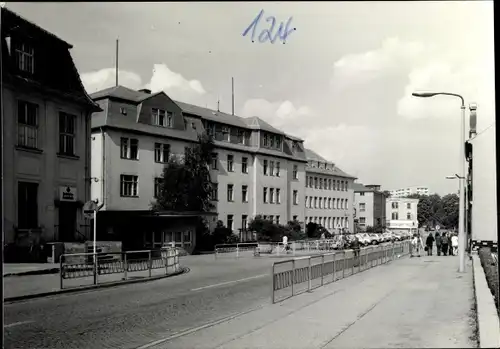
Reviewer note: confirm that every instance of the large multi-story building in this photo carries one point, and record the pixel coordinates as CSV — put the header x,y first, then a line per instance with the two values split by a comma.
x,y
402,213
369,205
404,192
256,168
329,194
46,136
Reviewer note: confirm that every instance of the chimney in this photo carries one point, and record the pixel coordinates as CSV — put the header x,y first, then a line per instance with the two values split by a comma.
x,y
145,90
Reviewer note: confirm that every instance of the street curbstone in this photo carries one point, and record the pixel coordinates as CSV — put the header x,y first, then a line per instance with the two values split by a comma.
x,y
92,287
487,316
34,272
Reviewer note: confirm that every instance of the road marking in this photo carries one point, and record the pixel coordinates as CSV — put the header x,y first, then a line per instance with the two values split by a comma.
x,y
18,323
195,329
229,282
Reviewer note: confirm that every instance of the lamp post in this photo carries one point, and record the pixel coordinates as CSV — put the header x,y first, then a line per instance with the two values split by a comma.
x,y
461,176
466,224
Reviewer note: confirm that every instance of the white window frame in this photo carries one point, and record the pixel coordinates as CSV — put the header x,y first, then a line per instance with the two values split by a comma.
x,y
25,57
129,185
158,117
295,197
265,195
214,161
244,193
244,164
230,163
230,221
296,173
27,126
162,153
126,145
278,195
271,195
230,192
67,134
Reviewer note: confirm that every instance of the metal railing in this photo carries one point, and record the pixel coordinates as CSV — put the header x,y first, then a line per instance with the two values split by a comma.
x,y
237,248
303,274
81,265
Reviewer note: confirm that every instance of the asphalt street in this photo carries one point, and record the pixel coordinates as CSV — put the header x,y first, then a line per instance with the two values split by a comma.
x,y
132,315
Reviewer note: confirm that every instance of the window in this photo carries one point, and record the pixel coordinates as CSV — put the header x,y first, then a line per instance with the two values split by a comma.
x,y
66,134
395,216
230,221
170,119
244,193
244,222
316,182
265,167
329,184
338,204
310,202
271,218
408,216
25,58
244,165
307,181
158,118
320,202
278,142
215,160
27,125
277,219
225,133
395,205
315,202
362,194
408,205
362,220
129,148
27,205
123,111
321,183
362,207
230,196
230,161
157,189
278,196
271,195
329,203
306,201
162,152
294,218
271,168
310,182
277,169
265,195
295,173
128,185
266,140
214,192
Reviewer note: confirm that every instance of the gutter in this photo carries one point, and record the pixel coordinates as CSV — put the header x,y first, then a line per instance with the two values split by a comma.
x,y
102,170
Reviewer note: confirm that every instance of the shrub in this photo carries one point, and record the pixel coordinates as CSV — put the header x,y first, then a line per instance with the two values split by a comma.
x,y
491,270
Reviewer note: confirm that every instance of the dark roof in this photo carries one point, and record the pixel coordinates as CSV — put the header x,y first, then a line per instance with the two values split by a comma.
x,y
359,187
313,156
16,17
259,124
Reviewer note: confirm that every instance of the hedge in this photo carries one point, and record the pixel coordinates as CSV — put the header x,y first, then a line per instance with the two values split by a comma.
x,y
491,270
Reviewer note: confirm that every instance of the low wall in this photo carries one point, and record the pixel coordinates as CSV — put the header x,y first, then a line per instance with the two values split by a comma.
x,y
487,315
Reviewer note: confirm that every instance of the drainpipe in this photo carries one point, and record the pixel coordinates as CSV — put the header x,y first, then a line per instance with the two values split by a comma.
x,y
102,170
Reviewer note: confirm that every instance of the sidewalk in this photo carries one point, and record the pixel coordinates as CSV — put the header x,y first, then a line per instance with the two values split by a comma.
x,y
12,269
408,303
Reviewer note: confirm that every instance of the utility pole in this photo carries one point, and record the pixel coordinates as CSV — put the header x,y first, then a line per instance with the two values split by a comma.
x,y
232,94
116,65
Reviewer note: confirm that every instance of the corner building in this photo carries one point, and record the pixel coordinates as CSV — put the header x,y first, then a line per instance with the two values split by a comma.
x,y
256,168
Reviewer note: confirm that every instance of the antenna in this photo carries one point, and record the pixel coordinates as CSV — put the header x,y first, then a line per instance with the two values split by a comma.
x,y
218,104
232,92
116,65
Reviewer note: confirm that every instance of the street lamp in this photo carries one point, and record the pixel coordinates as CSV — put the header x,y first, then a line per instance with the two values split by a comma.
x,y
461,177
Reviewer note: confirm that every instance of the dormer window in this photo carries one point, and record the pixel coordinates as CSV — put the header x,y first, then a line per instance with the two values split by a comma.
x,y
25,58
123,111
225,133
278,142
160,118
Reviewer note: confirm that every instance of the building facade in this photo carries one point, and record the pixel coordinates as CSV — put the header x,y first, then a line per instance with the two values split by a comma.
x,y
369,205
329,195
256,168
402,214
404,192
46,132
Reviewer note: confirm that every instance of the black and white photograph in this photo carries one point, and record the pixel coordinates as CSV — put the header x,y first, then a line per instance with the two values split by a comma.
x,y
236,175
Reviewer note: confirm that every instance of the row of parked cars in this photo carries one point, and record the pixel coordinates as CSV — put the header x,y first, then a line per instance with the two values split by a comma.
x,y
367,239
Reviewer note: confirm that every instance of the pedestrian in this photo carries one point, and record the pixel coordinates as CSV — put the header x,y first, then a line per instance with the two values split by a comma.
x,y
429,242
417,245
444,244
438,243
454,244
355,248
450,245
285,243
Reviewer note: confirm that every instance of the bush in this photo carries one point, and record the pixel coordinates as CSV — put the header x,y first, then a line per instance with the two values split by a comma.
x,y
267,230
491,270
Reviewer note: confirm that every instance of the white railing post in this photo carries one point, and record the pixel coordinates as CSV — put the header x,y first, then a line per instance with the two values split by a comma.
x,y
293,274
310,276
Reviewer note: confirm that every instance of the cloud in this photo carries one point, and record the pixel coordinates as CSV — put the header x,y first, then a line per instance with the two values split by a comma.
x,y
162,79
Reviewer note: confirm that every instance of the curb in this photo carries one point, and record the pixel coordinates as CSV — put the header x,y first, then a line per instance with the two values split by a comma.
x,y
92,287
34,272
488,322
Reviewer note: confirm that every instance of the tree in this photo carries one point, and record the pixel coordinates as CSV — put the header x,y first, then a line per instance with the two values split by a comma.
x,y
186,185
294,229
266,230
223,235
450,208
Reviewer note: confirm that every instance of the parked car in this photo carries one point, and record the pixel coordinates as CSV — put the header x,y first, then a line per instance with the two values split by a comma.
x,y
375,239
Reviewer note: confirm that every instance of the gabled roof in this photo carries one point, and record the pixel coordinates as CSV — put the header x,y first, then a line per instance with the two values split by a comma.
x,y
212,115
14,16
259,124
120,92
311,155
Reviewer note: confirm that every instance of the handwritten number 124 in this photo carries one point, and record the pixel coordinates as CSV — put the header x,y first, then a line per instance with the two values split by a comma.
x,y
283,32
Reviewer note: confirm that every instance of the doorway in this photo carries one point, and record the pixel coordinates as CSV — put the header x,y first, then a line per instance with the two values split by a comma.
x,y
67,222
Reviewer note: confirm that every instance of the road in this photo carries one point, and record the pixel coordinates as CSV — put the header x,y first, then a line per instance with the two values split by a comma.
x,y
133,315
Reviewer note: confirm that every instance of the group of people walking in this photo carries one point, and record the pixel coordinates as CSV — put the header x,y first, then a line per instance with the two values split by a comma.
x,y
446,244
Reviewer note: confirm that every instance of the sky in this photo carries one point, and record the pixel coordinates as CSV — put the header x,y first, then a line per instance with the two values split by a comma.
x,y
342,80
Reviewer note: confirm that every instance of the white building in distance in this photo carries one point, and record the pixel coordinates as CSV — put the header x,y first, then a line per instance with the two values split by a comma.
x,y
402,214
404,192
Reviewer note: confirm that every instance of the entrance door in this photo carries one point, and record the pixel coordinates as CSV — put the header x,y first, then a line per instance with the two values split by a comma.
x,y
67,222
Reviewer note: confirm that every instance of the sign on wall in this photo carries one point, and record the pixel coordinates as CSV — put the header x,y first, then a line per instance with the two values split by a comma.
x,y
67,193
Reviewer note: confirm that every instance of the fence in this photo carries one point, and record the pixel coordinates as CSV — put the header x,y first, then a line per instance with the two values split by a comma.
x,y
242,248
303,274
81,265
